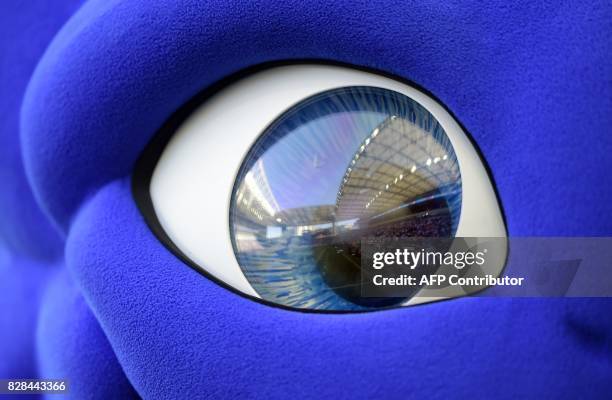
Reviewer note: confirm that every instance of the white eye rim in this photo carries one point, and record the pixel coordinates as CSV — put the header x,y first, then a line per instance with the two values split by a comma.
x,y
195,217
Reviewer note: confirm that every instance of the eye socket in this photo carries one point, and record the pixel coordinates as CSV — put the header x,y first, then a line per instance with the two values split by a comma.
x,y
306,160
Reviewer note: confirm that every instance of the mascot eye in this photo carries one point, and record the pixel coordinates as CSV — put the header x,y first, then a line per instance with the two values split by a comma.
x,y
271,183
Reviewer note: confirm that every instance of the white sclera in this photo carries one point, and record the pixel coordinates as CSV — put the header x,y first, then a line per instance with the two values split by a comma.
x,y
192,183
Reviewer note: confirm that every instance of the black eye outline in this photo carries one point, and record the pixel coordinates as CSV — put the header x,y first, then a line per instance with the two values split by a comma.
x,y
147,161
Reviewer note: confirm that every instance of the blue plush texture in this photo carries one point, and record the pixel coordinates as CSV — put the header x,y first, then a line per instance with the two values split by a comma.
x,y
530,81
25,31
71,345
46,329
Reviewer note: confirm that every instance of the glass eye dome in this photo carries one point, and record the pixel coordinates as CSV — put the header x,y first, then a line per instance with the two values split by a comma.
x,y
340,166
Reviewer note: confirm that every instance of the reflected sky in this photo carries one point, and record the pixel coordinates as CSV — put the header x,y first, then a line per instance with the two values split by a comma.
x,y
297,160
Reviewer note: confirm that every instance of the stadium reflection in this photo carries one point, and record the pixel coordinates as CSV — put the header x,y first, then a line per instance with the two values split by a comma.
x,y
300,245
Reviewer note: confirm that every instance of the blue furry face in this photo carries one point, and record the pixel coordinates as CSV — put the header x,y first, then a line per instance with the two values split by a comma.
x,y
101,299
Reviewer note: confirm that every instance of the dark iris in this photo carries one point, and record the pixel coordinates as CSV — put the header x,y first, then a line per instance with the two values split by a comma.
x,y
346,164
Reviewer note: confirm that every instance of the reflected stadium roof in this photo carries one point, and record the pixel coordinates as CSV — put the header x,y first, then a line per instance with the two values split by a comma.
x,y
396,164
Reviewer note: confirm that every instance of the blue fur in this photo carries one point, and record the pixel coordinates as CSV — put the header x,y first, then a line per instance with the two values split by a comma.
x,y
530,81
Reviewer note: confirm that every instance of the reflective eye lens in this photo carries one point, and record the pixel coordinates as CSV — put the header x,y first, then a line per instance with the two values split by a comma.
x,y
340,166
307,161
